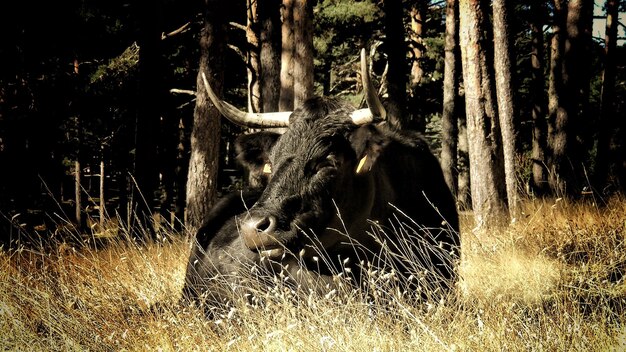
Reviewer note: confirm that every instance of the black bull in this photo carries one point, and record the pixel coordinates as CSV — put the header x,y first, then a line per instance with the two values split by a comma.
x,y
328,182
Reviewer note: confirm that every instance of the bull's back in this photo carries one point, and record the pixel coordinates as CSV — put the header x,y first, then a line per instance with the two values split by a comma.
x,y
414,177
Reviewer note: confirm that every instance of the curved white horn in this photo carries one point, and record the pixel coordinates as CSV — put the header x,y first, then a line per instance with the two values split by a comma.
x,y
246,119
371,96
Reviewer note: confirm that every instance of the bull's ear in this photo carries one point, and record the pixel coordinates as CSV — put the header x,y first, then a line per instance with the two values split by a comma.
x,y
253,149
368,142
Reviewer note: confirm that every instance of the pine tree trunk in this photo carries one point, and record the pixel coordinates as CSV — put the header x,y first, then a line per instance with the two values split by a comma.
x,y
576,60
539,181
485,149
269,16
78,192
180,177
286,58
396,57
205,135
503,68
145,169
606,156
464,195
303,60
556,111
449,119
414,117
102,202
418,25
253,63
566,151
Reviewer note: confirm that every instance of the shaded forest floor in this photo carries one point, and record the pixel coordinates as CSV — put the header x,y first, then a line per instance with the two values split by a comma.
x,y
551,281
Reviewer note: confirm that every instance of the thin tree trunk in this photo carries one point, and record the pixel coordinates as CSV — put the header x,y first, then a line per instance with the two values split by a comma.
x,y
78,191
485,149
556,111
396,58
449,119
102,211
287,57
608,120
303,61
418,29
205,135
503,67
539,181
253,63
151,95
415,116
567,152
269,17
180,177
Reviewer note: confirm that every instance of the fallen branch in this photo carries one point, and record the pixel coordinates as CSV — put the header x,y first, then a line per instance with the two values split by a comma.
x,y
176,31
182,91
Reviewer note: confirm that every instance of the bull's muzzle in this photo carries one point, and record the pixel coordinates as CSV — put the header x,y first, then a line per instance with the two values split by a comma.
x,y
259,235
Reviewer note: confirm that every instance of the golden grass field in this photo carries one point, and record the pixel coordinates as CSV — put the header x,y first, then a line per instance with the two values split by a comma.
x,y
551,281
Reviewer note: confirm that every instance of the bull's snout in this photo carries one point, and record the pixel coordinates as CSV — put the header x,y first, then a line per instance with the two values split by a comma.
x,y
258,233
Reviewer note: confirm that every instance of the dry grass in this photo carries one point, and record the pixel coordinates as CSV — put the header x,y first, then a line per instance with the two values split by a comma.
x,y
551,281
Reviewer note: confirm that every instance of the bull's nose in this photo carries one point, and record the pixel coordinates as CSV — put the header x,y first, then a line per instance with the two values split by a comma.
x,y
266,224
258,233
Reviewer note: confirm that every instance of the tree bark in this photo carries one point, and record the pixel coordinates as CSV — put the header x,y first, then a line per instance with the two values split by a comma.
x,y
78,194
567,153
556,111
415,118
418,29
503,68
303,43
286,58
253,59
269,17
606,156
464,195
151,95
449,118
102,202
576,61
180,177
205,135
396,57
485,149
539,180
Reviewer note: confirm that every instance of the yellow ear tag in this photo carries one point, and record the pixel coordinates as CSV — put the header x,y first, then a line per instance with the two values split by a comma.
x,y
267,168
361,163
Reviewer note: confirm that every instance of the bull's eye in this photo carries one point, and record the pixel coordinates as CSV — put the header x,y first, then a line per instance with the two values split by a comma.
x,y
329,162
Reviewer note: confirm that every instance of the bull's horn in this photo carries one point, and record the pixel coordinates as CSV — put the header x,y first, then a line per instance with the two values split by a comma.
x,y
362,116
371,96
246,119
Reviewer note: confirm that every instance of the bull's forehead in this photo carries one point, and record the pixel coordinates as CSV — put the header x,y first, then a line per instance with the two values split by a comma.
x,y
306,141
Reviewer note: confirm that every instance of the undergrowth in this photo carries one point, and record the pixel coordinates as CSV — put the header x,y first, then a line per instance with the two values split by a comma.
x,y
552,280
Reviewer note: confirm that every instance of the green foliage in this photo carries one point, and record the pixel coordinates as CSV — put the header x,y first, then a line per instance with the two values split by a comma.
x,y
433,62
341,28
346,13
119,68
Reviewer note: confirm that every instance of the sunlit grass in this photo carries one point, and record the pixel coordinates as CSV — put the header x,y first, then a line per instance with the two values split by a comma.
x,y
552,281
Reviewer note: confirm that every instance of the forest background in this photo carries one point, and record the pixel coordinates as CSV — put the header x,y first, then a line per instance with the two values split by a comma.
x,y
98,100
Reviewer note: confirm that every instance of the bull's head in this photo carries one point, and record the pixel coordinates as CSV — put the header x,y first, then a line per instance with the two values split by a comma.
x,y
318,168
